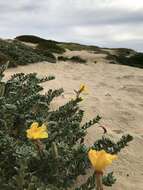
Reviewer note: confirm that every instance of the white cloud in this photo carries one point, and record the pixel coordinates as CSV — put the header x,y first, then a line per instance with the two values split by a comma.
x,y
99,22
126,4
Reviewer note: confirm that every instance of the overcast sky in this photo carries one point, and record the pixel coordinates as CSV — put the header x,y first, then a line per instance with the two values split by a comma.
x,y
108,23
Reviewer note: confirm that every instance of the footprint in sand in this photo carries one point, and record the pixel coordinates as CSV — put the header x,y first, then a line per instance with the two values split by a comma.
x,y
139,78
138,89
117,131
77,78
128,77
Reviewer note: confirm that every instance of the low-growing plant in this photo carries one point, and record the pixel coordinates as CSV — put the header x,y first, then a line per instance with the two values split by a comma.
x,y
135,60
20,54
44,149
43,45
46,53
3,58
78,47
32,39
63,58
76,59
64,45
51,47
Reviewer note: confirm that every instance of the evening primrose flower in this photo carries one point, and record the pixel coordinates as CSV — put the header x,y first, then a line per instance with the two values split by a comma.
x,y
100,159
82,88
35,132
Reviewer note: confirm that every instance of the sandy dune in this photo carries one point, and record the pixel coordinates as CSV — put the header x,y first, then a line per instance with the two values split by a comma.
x,y
116,93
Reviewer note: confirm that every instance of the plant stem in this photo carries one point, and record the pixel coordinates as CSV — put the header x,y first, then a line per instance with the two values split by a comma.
x,y
39,146
99,185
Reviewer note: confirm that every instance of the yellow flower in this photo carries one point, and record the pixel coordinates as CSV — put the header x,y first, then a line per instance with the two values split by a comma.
x,y
100,159
82,88
36,132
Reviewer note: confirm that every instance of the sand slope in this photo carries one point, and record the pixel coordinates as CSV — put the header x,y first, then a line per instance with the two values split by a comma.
x,y
116,93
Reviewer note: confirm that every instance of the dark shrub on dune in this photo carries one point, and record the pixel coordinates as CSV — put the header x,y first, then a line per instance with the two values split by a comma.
x,y
20,54
46,53
50,46
62,58
76,59
135,60
63,45
31,39
42,44
78,47
3,58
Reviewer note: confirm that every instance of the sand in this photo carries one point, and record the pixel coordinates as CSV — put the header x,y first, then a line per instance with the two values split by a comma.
x,y
115,92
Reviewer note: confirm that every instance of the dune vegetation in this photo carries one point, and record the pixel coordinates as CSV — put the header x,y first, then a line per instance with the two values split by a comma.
x,y
75,59
122,56
19,52
43,149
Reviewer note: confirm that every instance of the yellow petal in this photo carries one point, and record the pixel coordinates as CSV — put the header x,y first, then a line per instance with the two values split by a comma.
x,y
100,159
82,88
28,134
34,125
36,132
43,135
111,157
43,127
92,155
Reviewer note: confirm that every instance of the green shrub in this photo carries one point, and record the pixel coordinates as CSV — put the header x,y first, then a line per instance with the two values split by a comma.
x,y
20,54
135,60
62,58
76,59
3,58
78,47
48,54
63,45
50,46
43,44
32,39
64,154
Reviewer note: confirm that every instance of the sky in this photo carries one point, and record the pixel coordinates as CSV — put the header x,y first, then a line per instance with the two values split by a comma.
x,y
105,23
